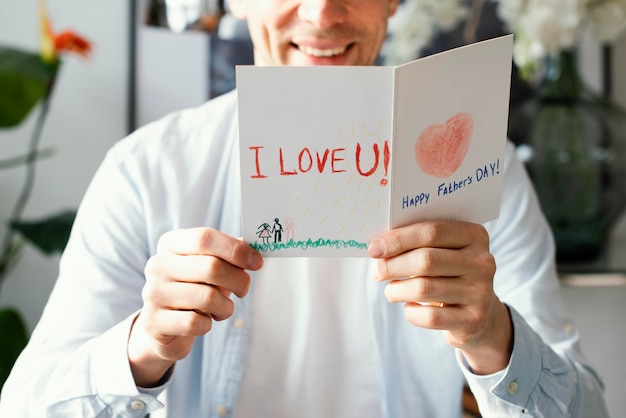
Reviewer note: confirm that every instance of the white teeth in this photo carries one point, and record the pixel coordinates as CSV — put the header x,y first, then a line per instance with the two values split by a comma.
x,y
323,53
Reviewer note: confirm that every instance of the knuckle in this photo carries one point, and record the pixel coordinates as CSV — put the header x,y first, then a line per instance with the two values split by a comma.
x,y
245,286
151,267
163,242
481,232
430,231
489,262
209,297
433,319
156,268
484,265
227,310
197,323
238,250
147,292
423,317
395,241
150,291
427,258
223,311
209,266
480,236
423,288
205,237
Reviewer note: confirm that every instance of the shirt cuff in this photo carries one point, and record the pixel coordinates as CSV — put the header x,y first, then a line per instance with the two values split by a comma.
x,y
113,378
510,389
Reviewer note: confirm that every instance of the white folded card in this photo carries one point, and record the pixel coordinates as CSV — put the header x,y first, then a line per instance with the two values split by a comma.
x,y
332,156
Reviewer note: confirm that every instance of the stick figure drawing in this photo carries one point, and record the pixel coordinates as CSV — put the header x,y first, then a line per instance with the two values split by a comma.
x,y
265,232
278,231
290,227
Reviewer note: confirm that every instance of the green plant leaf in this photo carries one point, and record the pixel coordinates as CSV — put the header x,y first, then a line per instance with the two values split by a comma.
x,y
50,234
13,341
24,80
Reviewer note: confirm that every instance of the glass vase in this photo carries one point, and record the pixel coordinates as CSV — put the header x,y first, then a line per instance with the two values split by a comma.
x,y
573,144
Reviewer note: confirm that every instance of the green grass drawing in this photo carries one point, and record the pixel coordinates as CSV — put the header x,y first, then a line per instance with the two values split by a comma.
x,y
309,243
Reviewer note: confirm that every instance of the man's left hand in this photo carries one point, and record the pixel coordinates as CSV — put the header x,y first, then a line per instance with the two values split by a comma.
x,y
443,272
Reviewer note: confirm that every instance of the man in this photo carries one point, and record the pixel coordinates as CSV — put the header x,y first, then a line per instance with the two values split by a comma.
x,y
155,295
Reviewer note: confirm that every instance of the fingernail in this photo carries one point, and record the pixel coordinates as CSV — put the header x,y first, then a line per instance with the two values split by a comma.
x,y
376,248
255,261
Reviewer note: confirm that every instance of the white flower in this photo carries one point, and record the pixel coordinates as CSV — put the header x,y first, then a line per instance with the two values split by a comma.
x,y
416,22
548,26
541,27
608,20
447,13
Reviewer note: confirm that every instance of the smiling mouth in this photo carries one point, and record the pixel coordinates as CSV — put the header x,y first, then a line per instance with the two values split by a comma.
x,y
323,53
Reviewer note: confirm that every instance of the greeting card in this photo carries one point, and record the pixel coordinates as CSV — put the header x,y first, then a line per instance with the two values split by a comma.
x,y
332,156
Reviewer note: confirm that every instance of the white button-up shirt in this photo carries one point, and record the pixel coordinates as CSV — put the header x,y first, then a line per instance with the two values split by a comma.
x,y
183,171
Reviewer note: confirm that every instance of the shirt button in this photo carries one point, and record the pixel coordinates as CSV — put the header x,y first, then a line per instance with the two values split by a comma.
x,y
240,323
137,405
513,386
569,328
221,410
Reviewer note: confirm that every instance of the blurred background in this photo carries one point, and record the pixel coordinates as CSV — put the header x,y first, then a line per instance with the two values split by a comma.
x,y
152,57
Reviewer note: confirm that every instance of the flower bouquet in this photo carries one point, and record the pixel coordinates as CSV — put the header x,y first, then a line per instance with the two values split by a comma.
x,y
572,140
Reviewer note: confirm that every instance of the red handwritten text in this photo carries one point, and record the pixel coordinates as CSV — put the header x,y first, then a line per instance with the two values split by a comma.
x,y
331,160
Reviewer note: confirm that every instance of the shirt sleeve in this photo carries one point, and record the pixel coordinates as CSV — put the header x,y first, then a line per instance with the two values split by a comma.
x,y
547,375
76,364
538,381
95,380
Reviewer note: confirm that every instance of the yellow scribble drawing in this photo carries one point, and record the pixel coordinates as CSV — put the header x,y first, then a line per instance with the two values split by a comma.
x,y
344,203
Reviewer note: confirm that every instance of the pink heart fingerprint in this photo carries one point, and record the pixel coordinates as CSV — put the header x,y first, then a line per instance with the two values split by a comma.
x,y
440,149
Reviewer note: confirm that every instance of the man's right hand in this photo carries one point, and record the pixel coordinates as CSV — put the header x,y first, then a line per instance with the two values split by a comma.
x,y
189,282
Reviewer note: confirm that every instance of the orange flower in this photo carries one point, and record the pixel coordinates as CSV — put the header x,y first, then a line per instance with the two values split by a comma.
x,y
68,40
53,44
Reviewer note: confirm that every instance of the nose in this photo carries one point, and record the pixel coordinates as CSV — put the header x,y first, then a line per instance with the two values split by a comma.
x,y
323,13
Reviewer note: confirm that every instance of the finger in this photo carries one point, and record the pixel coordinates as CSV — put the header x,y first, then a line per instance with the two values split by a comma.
x,y
200,298
448,234
166,325
433,290
208,241
464,326
199,269
424,262
431,316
